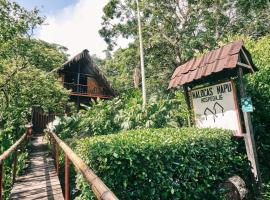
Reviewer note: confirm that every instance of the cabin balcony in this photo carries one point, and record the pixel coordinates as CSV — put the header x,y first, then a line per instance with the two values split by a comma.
x,y
87,91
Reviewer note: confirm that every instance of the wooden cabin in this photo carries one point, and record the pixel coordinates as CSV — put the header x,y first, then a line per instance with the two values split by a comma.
x,y
81,75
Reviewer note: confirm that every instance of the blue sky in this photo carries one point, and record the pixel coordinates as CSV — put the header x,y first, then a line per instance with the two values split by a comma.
x,y
72,23
46,6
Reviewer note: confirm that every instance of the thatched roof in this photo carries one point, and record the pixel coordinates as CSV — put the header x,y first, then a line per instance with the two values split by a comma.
x,y
87,65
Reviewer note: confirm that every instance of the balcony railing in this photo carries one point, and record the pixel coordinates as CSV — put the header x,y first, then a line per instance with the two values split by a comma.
x,y
86,90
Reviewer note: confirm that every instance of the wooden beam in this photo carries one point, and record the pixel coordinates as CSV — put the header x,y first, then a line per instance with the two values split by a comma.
x,y
246,58
245,65
78,82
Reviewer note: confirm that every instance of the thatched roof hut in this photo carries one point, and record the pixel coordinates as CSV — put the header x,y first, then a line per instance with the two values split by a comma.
x,y
81,75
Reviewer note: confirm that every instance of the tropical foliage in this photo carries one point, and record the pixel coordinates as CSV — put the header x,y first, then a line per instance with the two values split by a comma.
x,y
173,31
125,113
185,163
135,149
24,81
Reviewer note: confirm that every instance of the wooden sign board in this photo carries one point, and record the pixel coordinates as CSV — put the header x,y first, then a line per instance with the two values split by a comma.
x,y
216,107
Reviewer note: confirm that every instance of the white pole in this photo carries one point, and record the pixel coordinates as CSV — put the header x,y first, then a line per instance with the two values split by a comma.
x,y
141,54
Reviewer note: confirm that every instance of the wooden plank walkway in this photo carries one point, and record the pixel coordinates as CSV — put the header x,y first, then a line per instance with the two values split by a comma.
x,y
40,180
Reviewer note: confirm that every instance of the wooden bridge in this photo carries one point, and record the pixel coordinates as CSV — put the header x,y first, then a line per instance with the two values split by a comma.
x,y
40,180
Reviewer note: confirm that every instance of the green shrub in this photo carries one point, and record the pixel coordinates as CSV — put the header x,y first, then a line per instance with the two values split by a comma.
x,y
125,113
187,163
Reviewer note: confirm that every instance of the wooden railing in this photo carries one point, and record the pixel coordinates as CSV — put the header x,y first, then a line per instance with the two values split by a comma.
x,y
101,191
13,149
86,90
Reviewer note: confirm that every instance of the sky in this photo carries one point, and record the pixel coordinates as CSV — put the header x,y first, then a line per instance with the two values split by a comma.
x,y
72,23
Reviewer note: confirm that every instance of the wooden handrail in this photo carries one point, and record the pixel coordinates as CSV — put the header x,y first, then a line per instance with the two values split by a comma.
x,y
101,191
12,148
9,151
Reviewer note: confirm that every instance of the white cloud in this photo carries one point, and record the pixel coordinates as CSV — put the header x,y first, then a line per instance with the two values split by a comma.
x,y
76,27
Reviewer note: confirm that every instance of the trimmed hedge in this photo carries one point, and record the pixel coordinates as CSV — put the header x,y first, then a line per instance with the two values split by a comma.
x,y
187,163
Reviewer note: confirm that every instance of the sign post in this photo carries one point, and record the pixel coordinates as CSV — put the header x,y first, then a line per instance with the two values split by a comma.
x,y
216,106
249,136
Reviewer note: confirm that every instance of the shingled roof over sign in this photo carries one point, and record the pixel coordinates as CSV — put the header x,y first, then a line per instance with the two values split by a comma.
x,y
227,57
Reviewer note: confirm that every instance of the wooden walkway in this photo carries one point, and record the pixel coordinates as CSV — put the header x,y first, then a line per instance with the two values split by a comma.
x,y
40,180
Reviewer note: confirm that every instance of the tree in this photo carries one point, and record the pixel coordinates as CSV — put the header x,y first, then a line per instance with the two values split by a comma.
x,y
252,18
24,78
175,30
120,69
24,63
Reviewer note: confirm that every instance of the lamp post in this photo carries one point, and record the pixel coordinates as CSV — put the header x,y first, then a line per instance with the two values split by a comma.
x,y
141,54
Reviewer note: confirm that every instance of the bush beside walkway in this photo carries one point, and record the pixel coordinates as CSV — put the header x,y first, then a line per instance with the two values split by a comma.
x,y
187,163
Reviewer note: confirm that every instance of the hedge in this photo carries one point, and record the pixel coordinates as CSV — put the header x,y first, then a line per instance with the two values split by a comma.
x,y
187,163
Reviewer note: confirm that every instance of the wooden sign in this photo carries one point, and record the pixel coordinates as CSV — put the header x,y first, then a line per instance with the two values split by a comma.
x,y
216,107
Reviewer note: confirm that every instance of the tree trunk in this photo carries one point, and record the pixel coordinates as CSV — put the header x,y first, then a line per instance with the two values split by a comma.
x,y
137,77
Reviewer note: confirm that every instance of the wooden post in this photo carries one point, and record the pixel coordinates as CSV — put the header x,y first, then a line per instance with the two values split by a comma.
x,y
52,145
14,166
1,179
43,121
57,158
50,141
40,125
66,177
78,91
32,115
249,136
29,131
37,115
187,99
